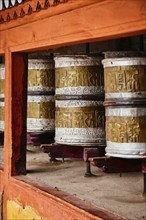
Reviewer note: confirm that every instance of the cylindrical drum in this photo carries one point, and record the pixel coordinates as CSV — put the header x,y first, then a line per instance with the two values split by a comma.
x,y
125,102
41,76
124,77
80,122
2,79
41,90
79,91
79,75
40,113
126,131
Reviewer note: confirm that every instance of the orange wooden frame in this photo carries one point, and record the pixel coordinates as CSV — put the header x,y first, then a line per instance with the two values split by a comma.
x,y
75,21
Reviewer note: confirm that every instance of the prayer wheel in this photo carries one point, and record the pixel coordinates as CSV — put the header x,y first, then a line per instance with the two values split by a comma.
x,y
79,75
2,79
79,113
41,90
125,104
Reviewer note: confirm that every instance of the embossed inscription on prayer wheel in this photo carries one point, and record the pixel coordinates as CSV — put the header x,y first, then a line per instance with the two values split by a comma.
x,y
41,91
79,75
125,77
2,79
41,76
125,104
126,131
40,113
80,122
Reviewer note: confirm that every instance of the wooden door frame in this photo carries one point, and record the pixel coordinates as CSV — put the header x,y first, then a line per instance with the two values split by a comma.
x,y
70,23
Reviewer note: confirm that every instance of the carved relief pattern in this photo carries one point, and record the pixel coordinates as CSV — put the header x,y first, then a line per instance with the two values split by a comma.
x,y
76,136
79,76
39,124
41,110
20,10
125,79
126,129
80,80
78,103
41,79
87,117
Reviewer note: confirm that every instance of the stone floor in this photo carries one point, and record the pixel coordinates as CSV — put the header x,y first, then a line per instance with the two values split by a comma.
x,y
119,194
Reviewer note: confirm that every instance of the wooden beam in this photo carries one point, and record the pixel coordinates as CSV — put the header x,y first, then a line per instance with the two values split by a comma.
x,y
52,10
100,21
15,114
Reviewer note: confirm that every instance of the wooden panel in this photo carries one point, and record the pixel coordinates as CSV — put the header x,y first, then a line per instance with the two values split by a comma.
x,y
52,203
103,20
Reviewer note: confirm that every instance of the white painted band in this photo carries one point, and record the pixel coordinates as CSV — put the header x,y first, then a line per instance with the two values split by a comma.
x,y
2,104
80,135
40,89
39,124
115,148
2,95
2,71
38,64
125,95
126,112
77,103
80,90
134,61
40,98
80,60
134,156
2,125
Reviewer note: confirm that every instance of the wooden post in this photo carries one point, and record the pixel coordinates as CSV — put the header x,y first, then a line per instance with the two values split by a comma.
x,y
15,113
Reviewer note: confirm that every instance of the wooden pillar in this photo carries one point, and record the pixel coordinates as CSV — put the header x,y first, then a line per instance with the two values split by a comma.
x,y
15,113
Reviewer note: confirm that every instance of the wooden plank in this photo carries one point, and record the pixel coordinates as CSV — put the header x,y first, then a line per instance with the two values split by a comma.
x,y
15,114
100,21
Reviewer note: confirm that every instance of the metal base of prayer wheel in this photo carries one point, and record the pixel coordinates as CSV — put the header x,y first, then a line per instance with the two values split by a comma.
x,y
38,138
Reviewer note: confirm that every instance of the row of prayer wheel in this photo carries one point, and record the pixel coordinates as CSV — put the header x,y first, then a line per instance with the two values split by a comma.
x,y
76,112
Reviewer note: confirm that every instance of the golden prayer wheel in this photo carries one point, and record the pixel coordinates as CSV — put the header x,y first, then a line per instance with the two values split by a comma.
x,y
126,131
41,76
80,122
79,75
79,113
124,77
41,90
40,113
125,102
2,79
